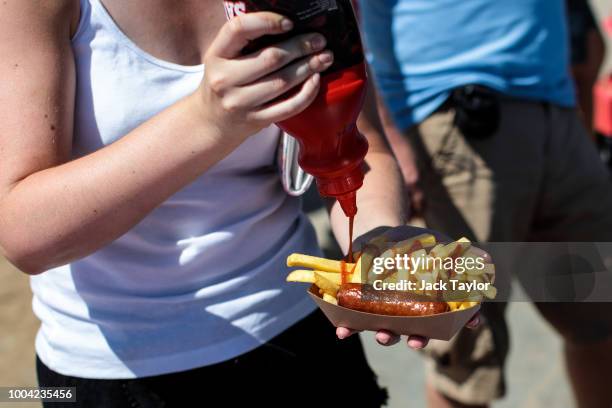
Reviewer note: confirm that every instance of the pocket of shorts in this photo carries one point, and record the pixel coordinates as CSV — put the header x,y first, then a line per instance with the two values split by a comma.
x,y
442,148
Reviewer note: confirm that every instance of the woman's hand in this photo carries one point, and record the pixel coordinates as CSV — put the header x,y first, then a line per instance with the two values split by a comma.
x,y
239,93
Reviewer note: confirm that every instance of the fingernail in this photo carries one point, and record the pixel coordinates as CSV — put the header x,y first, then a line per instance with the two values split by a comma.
x,y
382,342
318,42
286,24
417,344
326,57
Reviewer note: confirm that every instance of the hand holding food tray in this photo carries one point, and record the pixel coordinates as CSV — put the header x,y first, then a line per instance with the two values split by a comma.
x,y
413,286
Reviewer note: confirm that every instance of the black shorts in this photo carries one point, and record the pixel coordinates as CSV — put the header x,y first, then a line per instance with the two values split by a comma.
x,y
304,366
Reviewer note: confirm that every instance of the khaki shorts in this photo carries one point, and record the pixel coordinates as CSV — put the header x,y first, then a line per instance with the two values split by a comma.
x,y
539,178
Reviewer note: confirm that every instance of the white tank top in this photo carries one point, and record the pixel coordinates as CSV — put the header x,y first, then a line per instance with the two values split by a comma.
x,y
198,281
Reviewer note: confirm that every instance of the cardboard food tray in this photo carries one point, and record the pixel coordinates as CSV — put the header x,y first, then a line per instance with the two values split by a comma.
x,y
441,326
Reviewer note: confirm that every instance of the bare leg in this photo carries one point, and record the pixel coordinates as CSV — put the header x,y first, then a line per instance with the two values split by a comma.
x,y
590,369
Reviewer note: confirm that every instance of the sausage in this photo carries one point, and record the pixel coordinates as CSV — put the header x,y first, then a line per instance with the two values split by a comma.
x,y
386,302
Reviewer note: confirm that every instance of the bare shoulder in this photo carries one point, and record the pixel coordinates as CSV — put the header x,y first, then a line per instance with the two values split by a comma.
x,y
57,17
38,85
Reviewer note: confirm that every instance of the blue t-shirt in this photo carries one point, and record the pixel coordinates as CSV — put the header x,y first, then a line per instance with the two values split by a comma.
x,y
421,49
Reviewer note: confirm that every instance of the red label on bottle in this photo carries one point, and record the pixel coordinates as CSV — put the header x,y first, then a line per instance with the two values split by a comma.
x,y
234,8
335,19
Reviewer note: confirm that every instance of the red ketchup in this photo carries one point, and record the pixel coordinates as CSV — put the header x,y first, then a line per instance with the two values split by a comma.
x,y
331,147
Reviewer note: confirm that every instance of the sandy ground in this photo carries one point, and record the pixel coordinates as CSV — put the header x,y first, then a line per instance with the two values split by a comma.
x,y
17,330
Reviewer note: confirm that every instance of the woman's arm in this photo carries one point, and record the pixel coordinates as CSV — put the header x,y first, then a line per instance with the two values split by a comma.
x,y
54,210
382,201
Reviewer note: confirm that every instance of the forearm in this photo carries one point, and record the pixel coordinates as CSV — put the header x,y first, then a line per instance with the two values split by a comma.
x,y
66,212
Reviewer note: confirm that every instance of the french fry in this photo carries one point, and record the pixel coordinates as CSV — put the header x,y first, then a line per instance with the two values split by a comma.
x,y
303,276
326,285
454,305
330,299
460,247
418,254
319,264
427,240
403,274
477,279
435,274
391,278
436,251
489,269
442,274
414,244
453,250
490,293
476,271
356,273
307,276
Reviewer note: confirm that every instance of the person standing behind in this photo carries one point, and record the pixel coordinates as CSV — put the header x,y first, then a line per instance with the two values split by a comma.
x,y
588,51
482,91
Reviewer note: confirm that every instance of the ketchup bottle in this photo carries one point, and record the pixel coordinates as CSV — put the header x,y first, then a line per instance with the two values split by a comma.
x,y
331,147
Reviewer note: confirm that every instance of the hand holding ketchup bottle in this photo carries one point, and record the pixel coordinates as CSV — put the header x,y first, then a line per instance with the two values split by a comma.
x,y
331,147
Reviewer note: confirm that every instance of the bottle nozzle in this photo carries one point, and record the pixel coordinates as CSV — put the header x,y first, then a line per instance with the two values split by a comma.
x,y
344,189
348,202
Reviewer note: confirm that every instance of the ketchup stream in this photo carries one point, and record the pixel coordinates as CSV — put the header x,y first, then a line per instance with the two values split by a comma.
x,y
350,251
344,272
